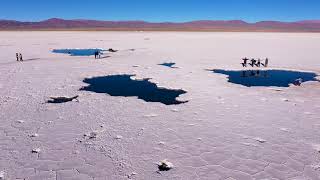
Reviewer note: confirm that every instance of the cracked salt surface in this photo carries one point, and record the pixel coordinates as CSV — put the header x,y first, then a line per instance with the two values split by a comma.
x,y
91,135
226,117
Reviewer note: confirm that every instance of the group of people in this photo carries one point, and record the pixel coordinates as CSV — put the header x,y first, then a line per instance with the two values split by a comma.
x,y
19,57
254,62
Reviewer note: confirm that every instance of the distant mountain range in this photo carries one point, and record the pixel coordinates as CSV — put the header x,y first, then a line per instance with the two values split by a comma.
x,y
204,25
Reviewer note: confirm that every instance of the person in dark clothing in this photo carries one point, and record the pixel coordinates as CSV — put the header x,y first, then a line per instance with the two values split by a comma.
x,y
253,62
96,54
259,63
17,56
265,64
245,60
20,56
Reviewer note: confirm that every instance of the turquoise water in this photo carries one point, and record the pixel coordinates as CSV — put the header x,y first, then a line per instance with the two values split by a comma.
x,y
78,52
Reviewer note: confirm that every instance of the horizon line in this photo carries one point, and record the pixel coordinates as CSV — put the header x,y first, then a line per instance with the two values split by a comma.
x,y
146,21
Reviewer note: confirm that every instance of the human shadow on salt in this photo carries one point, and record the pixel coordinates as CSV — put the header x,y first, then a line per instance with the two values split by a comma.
x,y
126,86
78,52
277,78
31,59
170,65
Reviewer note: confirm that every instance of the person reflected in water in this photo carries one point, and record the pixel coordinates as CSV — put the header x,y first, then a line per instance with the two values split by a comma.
x,y
252,73
265,74
244,74
258,73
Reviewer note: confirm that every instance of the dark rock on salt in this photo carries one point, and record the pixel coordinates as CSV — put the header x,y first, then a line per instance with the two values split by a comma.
x,y
112,50
62,99
165,165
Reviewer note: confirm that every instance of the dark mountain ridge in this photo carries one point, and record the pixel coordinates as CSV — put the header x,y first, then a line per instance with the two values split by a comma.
x,y
201,25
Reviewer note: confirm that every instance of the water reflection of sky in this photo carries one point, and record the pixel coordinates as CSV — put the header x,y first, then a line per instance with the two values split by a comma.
x,y
279,78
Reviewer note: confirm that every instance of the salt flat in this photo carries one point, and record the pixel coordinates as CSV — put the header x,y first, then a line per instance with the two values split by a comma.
x,y
224,131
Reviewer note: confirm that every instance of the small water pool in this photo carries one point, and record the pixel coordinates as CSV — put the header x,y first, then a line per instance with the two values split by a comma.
x,y
78,52
124,85
278,78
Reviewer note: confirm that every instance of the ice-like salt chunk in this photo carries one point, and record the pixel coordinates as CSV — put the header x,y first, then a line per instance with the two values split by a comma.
x,y
161,143
119,137
150,115
175,110
284,129
36,150
34,135
165,165
260,140
316,167
20,121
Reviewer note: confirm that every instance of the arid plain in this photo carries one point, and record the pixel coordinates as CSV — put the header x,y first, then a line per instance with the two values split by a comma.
x,y
224,131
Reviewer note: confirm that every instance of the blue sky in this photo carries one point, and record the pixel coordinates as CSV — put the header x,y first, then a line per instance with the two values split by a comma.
x,y
161,10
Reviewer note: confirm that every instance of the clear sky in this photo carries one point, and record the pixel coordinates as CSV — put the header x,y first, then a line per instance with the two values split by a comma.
x,y
161,10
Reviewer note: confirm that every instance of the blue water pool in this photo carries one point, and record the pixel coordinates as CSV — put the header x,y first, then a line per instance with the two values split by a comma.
x,y
78,52
278,78
170,65
124,85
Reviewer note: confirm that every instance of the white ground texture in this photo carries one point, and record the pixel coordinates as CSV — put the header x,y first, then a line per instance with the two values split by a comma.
x,y
225,131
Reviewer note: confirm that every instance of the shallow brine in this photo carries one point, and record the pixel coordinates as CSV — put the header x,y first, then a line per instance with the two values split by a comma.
x,y
126,86
79,52
278,78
